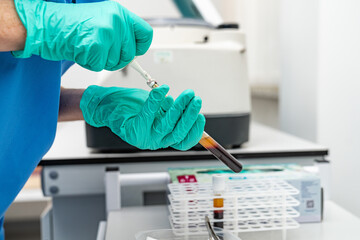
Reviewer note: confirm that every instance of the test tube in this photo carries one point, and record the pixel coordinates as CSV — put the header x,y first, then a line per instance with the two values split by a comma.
x,y
206,140
219,186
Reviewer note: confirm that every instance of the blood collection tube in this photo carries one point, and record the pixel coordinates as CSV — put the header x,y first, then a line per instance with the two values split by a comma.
x,y
219,186
220,153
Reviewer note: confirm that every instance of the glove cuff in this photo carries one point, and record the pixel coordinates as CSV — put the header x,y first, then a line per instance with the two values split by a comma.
x,y
29,11
91,99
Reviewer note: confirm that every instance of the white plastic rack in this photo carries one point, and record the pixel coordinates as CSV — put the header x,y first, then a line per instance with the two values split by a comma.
x,y
249,205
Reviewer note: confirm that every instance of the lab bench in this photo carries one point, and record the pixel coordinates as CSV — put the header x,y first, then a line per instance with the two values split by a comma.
x,y
338,223
73,175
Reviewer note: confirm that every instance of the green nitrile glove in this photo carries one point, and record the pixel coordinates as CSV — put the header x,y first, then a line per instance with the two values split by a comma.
x,y
146,120
97,36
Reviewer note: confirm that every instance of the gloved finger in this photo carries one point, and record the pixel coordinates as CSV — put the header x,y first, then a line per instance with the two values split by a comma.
x,y
167,103
143,35
153,104
172,116
128,51
165,106
113,61
93,62
185,123
114,56
194,135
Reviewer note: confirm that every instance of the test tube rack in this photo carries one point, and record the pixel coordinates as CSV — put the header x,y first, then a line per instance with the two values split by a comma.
x,y
249,206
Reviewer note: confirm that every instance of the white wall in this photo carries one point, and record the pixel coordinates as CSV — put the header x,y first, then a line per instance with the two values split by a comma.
x,y
298,88
339,96
259,19
320,87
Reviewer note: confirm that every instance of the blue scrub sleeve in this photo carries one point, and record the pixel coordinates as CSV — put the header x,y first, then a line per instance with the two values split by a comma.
x,y
29,104
2,236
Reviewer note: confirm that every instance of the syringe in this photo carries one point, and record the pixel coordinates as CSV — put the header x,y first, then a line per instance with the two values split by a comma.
x,y
206,141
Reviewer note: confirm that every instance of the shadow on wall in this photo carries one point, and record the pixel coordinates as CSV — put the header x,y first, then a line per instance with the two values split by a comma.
x,y
265,105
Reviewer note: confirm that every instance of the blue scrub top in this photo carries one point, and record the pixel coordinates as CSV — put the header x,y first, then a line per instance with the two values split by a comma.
x,y
29,106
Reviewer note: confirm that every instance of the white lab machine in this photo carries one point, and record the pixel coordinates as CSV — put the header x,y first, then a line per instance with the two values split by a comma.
x,y
192,54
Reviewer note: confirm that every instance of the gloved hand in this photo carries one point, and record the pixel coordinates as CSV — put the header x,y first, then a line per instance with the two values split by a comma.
x,y
146,120
97,36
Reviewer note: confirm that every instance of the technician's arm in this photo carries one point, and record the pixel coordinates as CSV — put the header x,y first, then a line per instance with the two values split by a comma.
x,y
69,109
12,31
